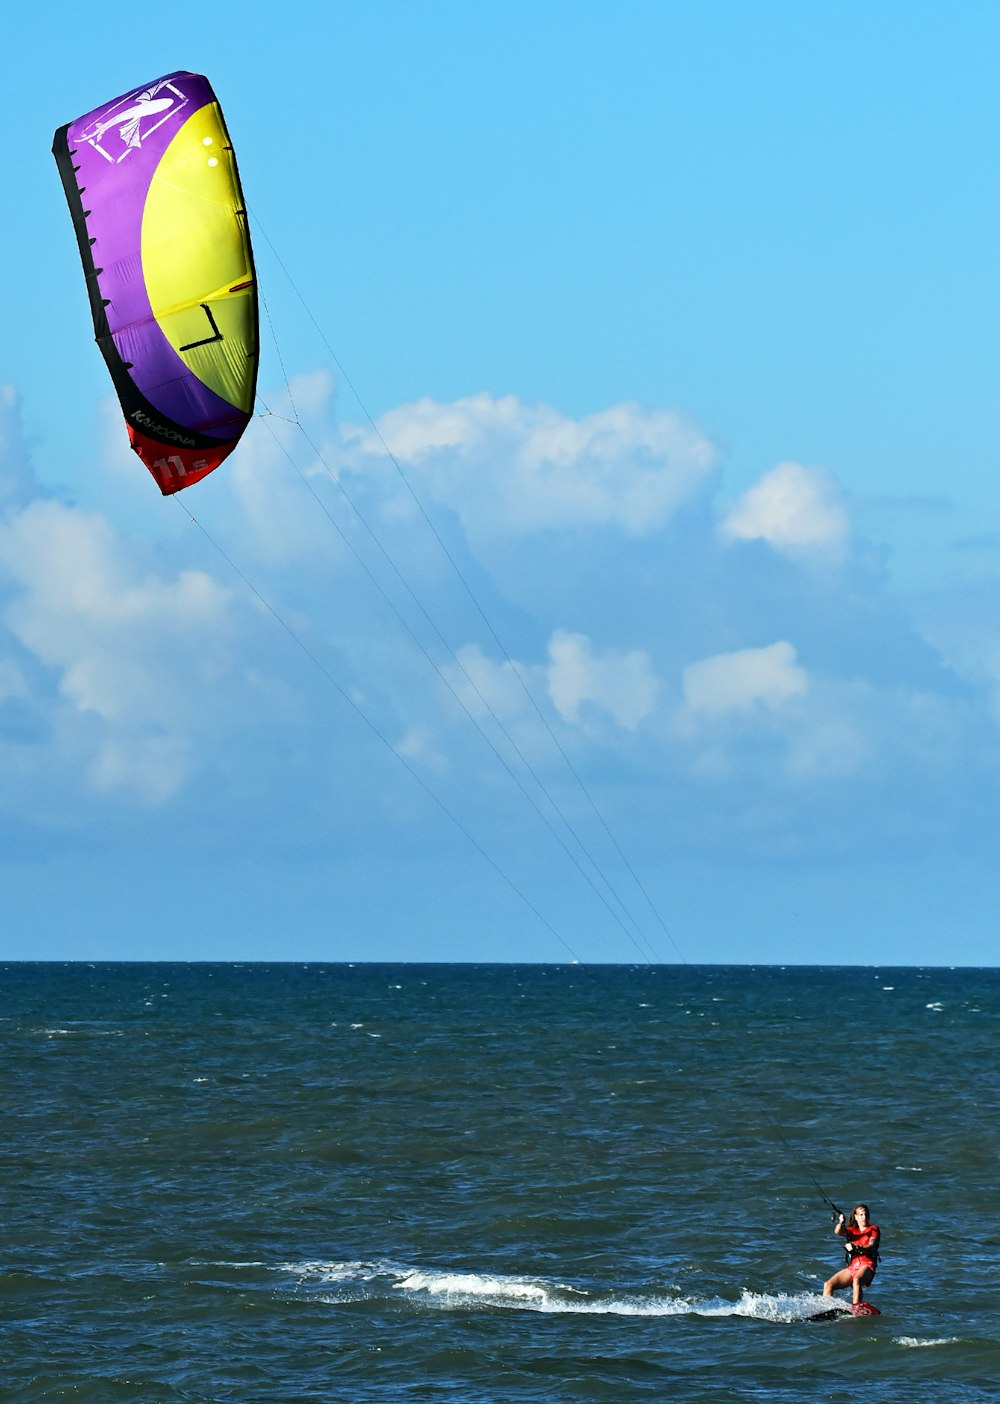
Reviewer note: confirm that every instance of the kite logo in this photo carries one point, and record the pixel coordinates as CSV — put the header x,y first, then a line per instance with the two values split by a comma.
x,y
119,130
170,436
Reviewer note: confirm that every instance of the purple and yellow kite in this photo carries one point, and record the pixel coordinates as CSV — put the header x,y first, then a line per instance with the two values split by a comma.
x,y
155,195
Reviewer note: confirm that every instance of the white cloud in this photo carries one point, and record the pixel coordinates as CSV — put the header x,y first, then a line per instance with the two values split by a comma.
x,y
153,767
962,628
417,744
118,459
275,514
622,685
129,681
503,464
310,393
736,681
792,507
136,652
483,683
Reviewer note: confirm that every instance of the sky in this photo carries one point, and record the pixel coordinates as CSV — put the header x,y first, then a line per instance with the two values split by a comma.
x,y
612,569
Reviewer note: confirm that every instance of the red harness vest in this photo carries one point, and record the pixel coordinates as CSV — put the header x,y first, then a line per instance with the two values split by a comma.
x,y
862,1243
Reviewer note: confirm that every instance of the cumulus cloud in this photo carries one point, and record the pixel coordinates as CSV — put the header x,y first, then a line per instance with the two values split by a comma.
x,y
310,394
580,682
483,683
278,520
128,679
734,682
131,649
793,508
963,629
151,767
117,459
622,685
502,464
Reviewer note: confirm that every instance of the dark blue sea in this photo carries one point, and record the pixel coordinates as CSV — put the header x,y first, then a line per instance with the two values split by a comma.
x,y
481,1183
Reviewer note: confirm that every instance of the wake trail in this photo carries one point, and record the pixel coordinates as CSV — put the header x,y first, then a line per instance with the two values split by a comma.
x,y
442,1289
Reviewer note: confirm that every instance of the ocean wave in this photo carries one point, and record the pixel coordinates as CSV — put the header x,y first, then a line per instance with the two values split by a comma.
x,y
448,1289
916,1342
80,1031
451,1289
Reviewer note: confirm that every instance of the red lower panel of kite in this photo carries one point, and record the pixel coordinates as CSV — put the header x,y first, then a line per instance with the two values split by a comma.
x,y
174,467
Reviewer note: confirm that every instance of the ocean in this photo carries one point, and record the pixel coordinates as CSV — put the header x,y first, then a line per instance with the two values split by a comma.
x,y
494,1183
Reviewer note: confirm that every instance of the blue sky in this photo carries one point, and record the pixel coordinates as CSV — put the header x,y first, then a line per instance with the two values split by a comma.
x,y
680,321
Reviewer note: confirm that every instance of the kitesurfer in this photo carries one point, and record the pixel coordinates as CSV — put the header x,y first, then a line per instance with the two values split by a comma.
x,y
862,1253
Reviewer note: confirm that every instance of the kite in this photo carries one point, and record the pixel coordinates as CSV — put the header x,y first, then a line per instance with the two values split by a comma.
x,y
154,192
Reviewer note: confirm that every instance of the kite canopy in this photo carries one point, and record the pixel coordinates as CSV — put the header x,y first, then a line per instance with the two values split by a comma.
x,y
153,188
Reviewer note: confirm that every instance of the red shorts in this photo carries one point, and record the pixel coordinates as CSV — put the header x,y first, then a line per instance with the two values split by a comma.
x,y
856,1264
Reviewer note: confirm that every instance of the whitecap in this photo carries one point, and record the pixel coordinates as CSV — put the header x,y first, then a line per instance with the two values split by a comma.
x,y
331,1272
914,1342
456,1289
448,1288
765,1306
83,1031
470,1284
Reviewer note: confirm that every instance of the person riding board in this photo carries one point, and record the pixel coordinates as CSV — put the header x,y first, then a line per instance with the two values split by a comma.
x,y
862,1254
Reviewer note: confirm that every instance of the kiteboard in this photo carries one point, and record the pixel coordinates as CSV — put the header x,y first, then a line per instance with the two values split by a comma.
x,y
861,1309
